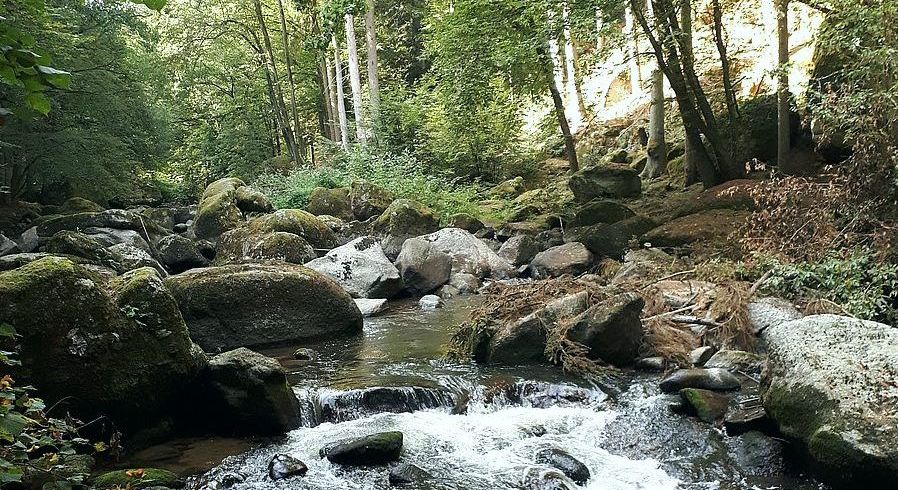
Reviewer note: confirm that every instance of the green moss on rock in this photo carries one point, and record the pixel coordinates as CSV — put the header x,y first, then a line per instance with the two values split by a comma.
x,y
137,478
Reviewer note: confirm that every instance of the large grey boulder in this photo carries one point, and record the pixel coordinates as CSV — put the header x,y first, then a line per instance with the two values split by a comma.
x,y
831,384
331,202
376,449
602,239
361,268
403,219
368,200
469,254
520,249
571,258
248,393
422,266
179,254
244,305
217,211
111,236
769,311
601,211
605,182
611,329
8,246
247,239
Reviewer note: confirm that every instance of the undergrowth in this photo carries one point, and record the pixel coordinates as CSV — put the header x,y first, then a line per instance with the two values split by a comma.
x,y
401,174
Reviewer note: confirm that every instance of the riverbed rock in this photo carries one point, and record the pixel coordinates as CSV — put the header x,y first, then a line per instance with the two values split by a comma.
x,y
571,258
280,246
8,246
368,200
370,307
120,349
524,340
422,266
130,257
831,383
332,202
179,254
466,222
469,254
601,211
249,394
611,329
251,201
403,219
217,211
605,182
407,474
709,406
283,466
111,219
705,227
705,379
252,304
567,464
508,189
112,236
737,361
602,239
769,311
376,449
700,355
81,245
359,403
520,249
295,221
430,302
74,205
361,268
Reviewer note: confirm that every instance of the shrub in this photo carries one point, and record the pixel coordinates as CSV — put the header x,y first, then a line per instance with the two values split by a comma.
x,y
401,174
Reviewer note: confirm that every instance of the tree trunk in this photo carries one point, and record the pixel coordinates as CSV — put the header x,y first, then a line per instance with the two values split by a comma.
x,y
570,68
324,73
782,90
729,94
289,142
371,45
341,104
288,61
656,149
355,82
278,125
569,147
632,52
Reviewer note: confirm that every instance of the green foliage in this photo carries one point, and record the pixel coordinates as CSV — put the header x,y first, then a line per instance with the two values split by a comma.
x,y
401,174
857,282
34,447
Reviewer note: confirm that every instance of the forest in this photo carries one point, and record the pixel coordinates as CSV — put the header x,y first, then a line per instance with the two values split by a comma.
x,y
448,244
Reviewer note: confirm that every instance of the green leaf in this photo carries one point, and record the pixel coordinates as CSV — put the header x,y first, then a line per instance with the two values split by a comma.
x,y
6,330
153,4
39,102
12,424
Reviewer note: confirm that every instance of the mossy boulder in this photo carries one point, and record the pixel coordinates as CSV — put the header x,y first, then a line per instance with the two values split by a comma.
x,y
734,194
75,205
281,246
368,200
601,211
830,385
251,394
709,406
216,213
220,186
605,182
179,254
240,243
122,351
466,222
602,239
81,245
611,329
403,219
137,478
706,228
331,202
251,201
115,219
244,305
508,189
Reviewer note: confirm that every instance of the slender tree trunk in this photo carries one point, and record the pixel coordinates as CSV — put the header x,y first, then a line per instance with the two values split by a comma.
x,y
371,45
729,93
569,146
692,153
782,90
656,149
570,68
355,81
341,104
288,61
632,52
324,73
289,142
277,124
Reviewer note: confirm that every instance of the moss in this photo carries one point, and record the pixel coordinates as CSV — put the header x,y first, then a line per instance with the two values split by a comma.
x,y
297,222
250,200
282,246
222,186
216,214
79,205
405,217
707,405
332,202
137,478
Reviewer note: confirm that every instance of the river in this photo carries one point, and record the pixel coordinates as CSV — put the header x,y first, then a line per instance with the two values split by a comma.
x,y
470,427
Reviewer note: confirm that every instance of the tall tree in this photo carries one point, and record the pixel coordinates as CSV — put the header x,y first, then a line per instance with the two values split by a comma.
x,y
782,89
632,37
355,81
729,93
341,104
288,62
656,161
289,140
570,68
371,46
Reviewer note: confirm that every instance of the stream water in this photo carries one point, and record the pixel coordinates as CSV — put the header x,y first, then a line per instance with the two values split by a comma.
x,y
471,427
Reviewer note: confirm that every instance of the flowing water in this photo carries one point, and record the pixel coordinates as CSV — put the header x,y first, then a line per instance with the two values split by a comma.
x,y
471,428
